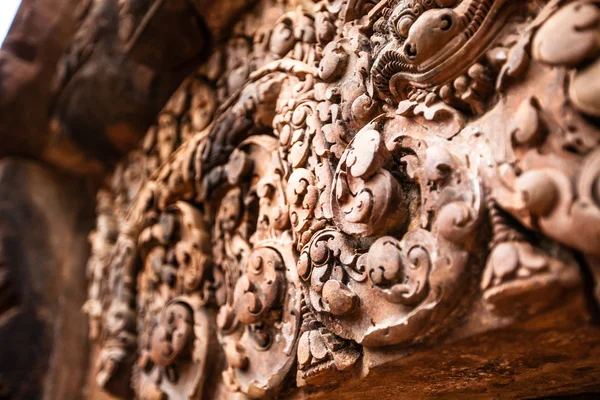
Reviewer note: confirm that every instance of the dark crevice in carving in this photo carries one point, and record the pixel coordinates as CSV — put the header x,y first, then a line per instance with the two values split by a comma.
x,y
589,288
9,300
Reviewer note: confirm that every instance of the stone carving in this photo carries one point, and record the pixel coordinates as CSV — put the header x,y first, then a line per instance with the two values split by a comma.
x,y
174,351
340,197
402,275
431,54
322,356
515,269
570,38
118,318
554,187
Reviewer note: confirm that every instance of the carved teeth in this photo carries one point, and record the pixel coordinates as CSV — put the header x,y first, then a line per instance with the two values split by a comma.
x,y
477,12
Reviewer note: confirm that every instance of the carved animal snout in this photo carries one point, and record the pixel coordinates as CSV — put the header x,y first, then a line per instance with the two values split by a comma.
x,y
430,32
410,49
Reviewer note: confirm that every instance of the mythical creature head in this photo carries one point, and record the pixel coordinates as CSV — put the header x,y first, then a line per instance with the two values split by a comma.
x,y
430,42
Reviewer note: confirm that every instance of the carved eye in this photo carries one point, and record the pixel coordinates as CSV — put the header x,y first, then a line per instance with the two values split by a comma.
x,y
446,23
403,25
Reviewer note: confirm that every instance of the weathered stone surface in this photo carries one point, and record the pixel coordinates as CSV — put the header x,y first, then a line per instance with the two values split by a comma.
x,y
44,220
344,198
381,190
39,35
92,75
553,354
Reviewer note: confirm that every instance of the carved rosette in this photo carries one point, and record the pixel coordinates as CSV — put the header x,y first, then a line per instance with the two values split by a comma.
x,y
387,271
259,330
258,318
341,196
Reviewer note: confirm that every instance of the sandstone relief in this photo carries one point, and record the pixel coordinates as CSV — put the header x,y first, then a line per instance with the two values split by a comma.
x,y
347,176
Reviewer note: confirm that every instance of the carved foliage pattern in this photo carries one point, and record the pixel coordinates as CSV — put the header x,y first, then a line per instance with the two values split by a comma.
x,y
336,199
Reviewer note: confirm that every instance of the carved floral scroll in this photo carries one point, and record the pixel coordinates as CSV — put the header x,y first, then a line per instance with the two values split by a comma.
x,y
370,171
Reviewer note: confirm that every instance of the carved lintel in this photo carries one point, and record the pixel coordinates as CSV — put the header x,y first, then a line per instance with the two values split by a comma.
x,y
338,202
